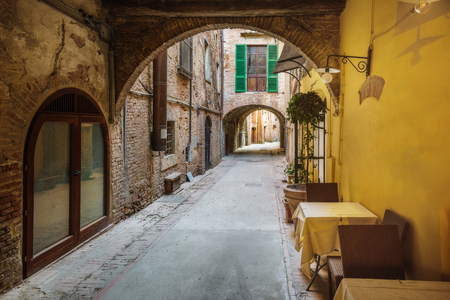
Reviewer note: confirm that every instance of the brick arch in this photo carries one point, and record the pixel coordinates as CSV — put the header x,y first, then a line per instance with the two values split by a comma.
x,y
237,116
141,39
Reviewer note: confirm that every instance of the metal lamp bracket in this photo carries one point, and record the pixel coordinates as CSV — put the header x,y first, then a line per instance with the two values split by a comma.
x,y
362,66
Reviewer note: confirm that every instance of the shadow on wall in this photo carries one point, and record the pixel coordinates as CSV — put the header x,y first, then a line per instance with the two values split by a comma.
x,y
438,9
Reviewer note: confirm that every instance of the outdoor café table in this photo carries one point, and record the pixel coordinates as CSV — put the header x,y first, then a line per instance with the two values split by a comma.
x,y
317,227
371,289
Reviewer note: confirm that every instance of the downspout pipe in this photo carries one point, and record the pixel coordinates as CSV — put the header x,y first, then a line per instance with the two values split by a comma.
x,y
159,134
190,112
221,91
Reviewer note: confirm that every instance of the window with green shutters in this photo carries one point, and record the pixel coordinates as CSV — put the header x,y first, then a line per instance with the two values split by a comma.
x,y
272,79
254,67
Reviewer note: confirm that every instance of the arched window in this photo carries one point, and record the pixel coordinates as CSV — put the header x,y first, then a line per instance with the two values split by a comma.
x,y
66,178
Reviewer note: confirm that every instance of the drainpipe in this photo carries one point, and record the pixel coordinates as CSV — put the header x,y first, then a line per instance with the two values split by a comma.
x,y
221,90
159,134
190,113
112,87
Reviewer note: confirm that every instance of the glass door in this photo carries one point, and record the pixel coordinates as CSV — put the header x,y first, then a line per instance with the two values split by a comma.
x,y
66,180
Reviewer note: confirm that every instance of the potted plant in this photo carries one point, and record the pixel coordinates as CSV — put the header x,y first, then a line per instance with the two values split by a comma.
x,y
289,172
306,110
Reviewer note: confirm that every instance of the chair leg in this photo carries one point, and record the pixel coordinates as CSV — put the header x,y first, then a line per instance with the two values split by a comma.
x,y
318,268
330,285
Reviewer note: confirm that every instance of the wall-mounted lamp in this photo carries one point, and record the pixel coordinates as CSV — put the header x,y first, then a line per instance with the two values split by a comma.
x,y
362,66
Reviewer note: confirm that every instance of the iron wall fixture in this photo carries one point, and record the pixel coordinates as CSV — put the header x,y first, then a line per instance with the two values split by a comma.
x,y
362,66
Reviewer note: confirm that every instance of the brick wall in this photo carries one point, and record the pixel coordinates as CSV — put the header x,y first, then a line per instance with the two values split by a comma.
x,y
138,176
237,105
317,35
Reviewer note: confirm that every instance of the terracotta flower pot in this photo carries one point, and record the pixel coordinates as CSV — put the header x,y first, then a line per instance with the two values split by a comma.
x,y
288,211
295,193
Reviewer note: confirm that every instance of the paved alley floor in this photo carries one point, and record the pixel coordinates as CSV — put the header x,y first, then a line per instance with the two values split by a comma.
x,y
222,236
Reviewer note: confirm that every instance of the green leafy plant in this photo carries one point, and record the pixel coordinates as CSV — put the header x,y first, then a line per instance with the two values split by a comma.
x,y
289,170
309,110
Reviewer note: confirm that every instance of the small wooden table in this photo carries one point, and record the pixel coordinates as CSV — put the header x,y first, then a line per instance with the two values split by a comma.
x,y
317,227
377,289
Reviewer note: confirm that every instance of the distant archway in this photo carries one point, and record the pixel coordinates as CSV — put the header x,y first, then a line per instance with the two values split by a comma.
x,y
234,123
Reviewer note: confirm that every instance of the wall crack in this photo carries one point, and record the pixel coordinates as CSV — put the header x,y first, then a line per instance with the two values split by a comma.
x,y
59,49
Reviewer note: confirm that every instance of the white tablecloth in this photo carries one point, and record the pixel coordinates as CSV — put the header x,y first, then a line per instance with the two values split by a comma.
x,y
380,289
317,227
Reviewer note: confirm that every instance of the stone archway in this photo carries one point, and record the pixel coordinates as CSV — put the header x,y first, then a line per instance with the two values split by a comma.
x,y
141,38
233,123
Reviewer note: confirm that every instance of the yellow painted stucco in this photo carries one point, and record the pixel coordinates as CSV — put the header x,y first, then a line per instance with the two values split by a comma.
x,y
394,152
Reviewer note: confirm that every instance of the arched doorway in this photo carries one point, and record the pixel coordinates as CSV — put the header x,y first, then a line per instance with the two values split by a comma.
x,y
207,143
67,177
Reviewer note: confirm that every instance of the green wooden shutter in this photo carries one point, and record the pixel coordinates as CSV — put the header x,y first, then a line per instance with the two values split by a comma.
x,y
272,58
241,68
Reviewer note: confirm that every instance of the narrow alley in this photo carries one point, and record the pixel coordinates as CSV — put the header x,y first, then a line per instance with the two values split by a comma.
x,y
222,236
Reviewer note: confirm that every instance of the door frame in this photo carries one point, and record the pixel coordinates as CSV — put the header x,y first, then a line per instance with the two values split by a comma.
x,y
76,235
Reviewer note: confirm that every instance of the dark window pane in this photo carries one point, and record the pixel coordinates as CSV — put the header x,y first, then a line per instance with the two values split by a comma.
x,y
262,60
251,50
261,71
252,60
261,50
51,222
252,71
92,170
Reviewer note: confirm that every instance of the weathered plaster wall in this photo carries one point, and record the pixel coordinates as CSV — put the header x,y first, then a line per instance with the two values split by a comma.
x,y
395,149
41,51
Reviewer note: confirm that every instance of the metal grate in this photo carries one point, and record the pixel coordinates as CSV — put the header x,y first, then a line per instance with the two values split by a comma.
x,y
84,106
170,144
64,103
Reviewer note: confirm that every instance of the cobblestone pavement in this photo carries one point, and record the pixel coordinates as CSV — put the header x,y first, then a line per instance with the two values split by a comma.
x,y
86,271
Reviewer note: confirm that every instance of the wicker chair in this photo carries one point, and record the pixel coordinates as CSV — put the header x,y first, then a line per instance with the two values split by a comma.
x,y
320,192
360,249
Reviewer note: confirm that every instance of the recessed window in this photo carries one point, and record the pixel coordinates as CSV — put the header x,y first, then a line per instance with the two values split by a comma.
x,y
256,68
185,66
170,138
207,63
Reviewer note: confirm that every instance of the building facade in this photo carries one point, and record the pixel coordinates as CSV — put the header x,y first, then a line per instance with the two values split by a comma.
x,y
251,92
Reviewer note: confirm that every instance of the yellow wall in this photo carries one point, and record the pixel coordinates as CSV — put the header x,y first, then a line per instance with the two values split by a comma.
x,y
395,150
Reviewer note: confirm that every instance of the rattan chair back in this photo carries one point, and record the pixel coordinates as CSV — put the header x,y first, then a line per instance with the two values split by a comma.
x,y
391,217
322,192
371,251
